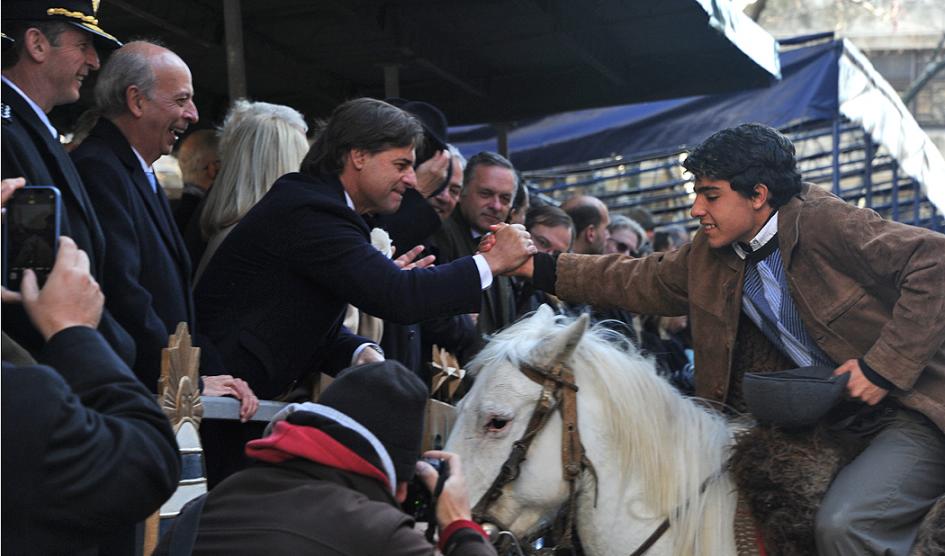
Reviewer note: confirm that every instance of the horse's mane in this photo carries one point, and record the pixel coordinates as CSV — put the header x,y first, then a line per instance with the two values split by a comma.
x,y
666,441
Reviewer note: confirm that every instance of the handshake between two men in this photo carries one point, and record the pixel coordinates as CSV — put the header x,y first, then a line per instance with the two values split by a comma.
x,y
509,250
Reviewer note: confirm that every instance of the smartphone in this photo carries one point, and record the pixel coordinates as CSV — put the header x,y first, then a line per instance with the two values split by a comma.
x,y
30,233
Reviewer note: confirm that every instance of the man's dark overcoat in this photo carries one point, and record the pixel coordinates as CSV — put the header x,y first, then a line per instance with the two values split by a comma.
x,y
274,295
30,152
147,271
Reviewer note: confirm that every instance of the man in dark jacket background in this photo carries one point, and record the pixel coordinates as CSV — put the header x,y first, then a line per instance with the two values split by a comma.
x,y
145,95
489,186
331,477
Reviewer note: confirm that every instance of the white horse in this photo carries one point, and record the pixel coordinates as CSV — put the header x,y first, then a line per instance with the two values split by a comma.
x,y
657,454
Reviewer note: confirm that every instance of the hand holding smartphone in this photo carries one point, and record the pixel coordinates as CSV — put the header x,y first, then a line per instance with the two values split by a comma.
x,y
30,233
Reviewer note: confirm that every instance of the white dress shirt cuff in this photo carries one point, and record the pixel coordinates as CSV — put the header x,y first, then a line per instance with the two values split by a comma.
x,y
485,273
362,347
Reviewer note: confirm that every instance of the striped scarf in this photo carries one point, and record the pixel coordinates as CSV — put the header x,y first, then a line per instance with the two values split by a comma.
x,y
767,302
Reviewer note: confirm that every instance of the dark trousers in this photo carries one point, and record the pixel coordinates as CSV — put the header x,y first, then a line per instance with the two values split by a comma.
x,y
876,503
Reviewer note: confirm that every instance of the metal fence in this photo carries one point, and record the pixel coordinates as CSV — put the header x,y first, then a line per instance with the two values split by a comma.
x,y
836,155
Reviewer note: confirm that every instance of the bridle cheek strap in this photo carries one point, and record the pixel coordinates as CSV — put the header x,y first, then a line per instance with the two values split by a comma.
x,y
559,391
512,465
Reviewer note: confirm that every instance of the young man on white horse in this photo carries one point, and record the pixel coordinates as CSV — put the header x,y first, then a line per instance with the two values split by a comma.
x,y
826,283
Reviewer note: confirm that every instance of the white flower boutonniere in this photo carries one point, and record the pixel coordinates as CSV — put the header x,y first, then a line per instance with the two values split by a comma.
x,y
380,239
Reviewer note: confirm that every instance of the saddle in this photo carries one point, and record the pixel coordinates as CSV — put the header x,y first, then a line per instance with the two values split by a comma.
x,y
782,475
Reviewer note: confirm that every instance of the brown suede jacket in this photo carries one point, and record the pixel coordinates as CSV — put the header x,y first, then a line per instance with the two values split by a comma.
x,y
864,287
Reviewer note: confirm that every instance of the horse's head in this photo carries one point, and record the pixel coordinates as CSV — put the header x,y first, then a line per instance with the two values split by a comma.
x,y
653,450
496,413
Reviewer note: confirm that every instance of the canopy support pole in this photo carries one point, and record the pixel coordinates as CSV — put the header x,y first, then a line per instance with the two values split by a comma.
x,y
868,153
235,61
836,156
502,138
391,80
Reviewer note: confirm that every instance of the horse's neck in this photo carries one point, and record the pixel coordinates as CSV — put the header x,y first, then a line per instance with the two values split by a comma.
x,y
621,520
612,520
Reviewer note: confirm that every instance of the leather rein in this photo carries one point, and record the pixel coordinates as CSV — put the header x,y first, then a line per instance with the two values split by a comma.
x,y
558,392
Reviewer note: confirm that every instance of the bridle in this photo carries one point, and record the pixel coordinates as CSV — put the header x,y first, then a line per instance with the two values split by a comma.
x,y
558,392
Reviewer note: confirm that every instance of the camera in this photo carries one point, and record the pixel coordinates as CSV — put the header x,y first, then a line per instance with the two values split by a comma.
x,y
420,503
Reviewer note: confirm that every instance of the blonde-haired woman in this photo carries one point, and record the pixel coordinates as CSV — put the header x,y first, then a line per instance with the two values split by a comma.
x,y
259,143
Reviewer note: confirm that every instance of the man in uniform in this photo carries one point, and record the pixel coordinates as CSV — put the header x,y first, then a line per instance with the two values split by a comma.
x,y
48,52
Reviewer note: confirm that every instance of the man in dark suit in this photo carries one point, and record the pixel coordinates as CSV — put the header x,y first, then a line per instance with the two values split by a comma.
x,y
411,344
45,60
87,452
145,95
274,295
147,271
489,186
416,219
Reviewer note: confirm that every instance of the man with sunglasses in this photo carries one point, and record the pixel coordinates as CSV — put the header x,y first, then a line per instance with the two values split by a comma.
x,y
626,236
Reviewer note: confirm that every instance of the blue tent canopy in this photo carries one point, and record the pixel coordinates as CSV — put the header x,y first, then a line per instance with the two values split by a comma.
x,y
807,92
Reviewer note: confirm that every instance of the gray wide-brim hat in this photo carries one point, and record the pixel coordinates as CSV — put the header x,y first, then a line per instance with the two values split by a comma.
x,y
794,398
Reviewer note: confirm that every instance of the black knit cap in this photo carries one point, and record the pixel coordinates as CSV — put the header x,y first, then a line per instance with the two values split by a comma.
x,y
390,401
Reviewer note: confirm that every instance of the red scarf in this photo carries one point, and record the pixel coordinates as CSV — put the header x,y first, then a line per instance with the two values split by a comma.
x,y
289,441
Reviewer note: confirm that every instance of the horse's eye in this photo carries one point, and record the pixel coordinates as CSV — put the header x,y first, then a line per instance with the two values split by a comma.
x,y
495,424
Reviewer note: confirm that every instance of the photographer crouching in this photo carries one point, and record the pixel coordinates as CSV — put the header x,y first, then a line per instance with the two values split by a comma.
x,y
331,478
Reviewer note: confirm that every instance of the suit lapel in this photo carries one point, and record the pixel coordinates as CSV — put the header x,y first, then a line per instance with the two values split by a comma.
x,y
156,203
160,211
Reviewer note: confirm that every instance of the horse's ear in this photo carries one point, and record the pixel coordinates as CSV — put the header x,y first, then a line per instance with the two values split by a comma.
x,y
560,346
544,311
